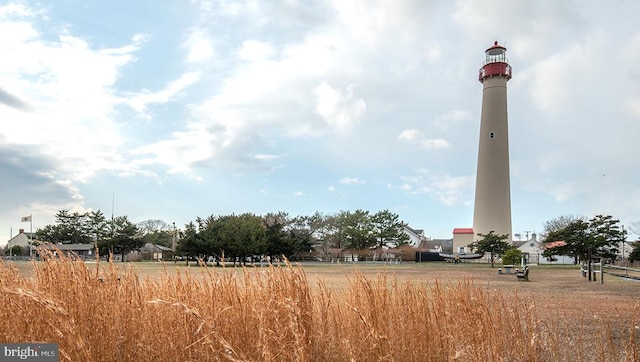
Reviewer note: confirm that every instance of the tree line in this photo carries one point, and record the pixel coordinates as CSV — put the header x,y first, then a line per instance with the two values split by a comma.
x,y
574,236
278,234
234,236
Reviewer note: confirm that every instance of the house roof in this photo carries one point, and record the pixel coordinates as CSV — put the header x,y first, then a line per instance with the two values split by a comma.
x,y
21,239
555,244
152,246
463,231
417,232
69,247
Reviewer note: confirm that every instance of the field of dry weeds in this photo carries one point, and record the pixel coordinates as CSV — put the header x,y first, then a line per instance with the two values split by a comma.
x,y
318,312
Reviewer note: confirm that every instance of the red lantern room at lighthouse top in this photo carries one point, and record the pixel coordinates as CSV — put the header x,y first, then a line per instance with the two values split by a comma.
x,y
496,63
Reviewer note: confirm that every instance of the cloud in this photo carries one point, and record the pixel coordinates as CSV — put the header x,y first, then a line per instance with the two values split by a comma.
x,y
253,50
140,101
409,134
338,108
266,157
305,85
414,136
351,181
199,46
563,72
451,118
33,186
72,101
11,100
524,27
447,189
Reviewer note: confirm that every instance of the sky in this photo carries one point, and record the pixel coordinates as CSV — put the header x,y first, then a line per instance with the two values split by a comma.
x,y
174,110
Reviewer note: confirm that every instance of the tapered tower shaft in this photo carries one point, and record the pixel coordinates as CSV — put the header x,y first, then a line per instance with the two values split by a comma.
x,y
492,208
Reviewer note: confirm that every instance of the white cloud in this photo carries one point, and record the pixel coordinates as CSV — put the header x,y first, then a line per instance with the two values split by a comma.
x,y
563,72
142,100
266,157
72,101
434,144
524,27
409,134
457,115
352,181
253,50
634,107
339,108
297,193
447,189
194,144
414,136
15,9
199,46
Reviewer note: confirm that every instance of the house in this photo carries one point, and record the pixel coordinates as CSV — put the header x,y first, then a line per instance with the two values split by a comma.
x,y
623,252
82,251
532,250
416,236
437,245
462,237
155,252
23,240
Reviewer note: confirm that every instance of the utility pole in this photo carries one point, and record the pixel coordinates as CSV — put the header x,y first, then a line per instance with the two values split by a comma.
x,y
623,240
173,238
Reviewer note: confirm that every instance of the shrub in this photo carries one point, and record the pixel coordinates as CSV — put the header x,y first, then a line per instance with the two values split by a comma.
x,y
512,257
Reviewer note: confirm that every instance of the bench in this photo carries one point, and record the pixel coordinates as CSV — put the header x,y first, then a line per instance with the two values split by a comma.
x,y
523,275
506,269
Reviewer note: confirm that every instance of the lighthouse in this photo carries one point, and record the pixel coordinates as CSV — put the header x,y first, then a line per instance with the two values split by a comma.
x,y
492,208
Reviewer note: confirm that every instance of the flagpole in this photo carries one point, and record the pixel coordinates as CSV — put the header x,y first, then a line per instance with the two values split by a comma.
x,y
31,235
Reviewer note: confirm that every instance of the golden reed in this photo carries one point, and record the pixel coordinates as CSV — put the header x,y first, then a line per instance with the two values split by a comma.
x,y
101,312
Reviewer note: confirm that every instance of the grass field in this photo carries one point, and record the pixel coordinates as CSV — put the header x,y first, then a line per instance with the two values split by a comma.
x,y
555,289
318,311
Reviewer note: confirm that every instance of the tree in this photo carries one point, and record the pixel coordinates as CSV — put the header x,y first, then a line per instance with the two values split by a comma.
x,y
15,250
156,232
574,236
512,256
559,223
635,227
277,242
599,236
124,238
152,226
70,228
189,244
606,235
358,229
97,226
494,244
388,227
235,236
635,253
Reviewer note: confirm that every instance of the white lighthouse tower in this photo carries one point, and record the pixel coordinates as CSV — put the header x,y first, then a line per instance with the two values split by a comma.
x,y
492,209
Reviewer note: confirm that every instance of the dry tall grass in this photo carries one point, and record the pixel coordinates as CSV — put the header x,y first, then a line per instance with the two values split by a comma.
x,y
102,313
